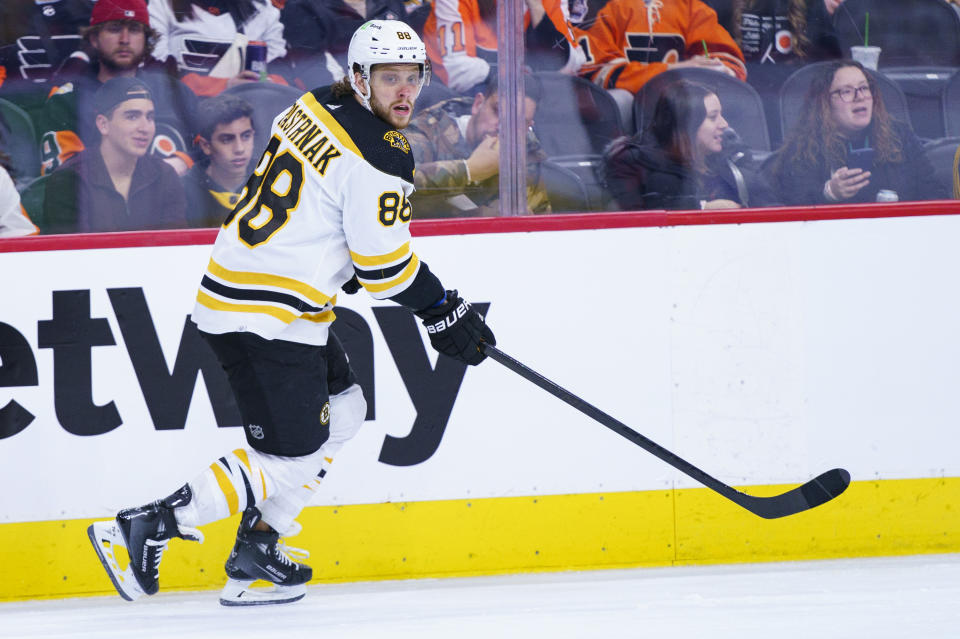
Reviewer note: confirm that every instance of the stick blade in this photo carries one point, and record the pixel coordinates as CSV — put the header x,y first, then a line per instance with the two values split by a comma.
x,y
815,492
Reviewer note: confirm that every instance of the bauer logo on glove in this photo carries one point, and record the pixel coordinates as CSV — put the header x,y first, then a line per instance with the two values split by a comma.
x,y
450,319
456,330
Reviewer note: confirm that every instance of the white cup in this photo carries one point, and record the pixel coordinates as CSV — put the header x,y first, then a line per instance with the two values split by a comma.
x,y
867,56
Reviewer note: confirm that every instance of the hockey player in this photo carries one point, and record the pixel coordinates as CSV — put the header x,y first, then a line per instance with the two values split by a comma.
x,y
326,207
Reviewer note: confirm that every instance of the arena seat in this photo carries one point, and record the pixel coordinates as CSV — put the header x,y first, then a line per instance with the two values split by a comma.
x,y
267,99
19,139
794,91
913,33
742,106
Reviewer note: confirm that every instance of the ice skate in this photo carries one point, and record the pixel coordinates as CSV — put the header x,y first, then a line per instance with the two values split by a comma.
x,y
143,532
260,555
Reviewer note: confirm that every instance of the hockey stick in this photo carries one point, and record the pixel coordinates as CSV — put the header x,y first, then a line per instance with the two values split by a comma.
x,y
815,492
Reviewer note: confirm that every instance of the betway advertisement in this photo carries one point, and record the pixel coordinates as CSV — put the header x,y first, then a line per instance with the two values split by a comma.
x,y
762,353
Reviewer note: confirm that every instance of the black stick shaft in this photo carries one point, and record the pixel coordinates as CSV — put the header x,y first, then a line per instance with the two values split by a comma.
x,y
813,493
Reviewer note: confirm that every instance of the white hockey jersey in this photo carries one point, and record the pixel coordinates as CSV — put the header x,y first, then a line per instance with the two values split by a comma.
x,y
328,199
199,43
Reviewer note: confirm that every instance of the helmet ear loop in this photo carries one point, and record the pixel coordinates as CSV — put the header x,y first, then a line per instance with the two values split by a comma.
x,y
364,95
424,77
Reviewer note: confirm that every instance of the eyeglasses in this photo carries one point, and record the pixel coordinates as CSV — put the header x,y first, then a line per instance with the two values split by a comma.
x,y
849,94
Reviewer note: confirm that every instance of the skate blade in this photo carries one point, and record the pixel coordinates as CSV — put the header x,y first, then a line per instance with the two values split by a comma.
x,y
108,542
238,592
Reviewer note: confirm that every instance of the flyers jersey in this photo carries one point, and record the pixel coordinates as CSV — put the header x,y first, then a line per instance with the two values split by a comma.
x,y
627,42
462,45
328,199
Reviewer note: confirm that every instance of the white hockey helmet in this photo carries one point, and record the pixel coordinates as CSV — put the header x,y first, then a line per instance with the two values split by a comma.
x,y
384,42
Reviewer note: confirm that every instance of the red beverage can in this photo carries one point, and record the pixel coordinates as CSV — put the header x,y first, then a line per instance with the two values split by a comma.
x,y
256,57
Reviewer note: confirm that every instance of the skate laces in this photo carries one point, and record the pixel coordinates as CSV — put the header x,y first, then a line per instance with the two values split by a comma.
x,y
154,549
190,534
292,552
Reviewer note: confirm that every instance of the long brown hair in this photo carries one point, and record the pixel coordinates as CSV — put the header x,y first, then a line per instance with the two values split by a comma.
x,y
679,112
815,136
796,16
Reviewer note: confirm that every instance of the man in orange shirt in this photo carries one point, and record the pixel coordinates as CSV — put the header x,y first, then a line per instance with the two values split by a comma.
x,y
627,42
461,39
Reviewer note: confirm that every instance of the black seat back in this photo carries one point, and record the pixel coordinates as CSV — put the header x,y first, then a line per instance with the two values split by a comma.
x,y
742,105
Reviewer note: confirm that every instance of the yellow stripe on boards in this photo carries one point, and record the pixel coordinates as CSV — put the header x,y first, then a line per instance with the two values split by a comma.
x,y
265,279
226,487
380,260
404,275
521,534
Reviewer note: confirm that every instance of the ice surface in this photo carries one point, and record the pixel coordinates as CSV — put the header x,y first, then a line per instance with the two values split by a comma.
x,y
896,598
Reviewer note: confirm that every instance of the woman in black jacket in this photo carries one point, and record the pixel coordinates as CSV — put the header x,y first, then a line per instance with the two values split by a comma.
x,y
846,147
684,160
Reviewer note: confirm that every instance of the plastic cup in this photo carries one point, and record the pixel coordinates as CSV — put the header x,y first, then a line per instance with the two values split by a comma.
x,y
867,56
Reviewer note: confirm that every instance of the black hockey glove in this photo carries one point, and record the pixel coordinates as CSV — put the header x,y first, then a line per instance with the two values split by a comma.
x,y
456,330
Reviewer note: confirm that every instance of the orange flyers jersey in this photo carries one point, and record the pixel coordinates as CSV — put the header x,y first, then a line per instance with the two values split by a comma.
x,y
627,42
462,45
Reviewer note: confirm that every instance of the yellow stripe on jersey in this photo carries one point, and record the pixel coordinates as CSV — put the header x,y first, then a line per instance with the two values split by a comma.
x,y
226,487
282,315
402,277
265,279
330,122
380,260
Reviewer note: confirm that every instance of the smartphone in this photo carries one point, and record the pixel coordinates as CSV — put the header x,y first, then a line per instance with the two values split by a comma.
x,y
860,159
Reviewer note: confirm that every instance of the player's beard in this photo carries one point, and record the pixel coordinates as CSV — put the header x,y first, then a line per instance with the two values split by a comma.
x,y
385,114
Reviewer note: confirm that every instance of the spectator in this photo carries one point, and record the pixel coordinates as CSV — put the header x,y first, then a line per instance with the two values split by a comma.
x,y
777,34
115,186
456,148
846,147
208,39
630,41
776,38
318,33
461,39
685,160
38,36
14,221
226,140
119,40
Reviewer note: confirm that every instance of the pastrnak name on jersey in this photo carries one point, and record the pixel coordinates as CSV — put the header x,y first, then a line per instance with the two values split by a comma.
x,y
305,134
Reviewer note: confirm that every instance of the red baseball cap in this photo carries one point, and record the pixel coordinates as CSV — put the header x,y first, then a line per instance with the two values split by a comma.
x,y
109,10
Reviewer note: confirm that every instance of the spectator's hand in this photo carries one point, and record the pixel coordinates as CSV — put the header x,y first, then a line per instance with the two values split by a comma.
x,y
832,5
703,62
243,76
178,165
721,204
484,162
536,11
845,183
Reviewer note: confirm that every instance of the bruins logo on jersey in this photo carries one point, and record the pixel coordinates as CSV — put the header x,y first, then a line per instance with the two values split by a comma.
x,y
397,141
325,414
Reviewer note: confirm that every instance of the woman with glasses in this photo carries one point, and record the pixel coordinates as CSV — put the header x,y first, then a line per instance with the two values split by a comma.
x,y
689,158
846,147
